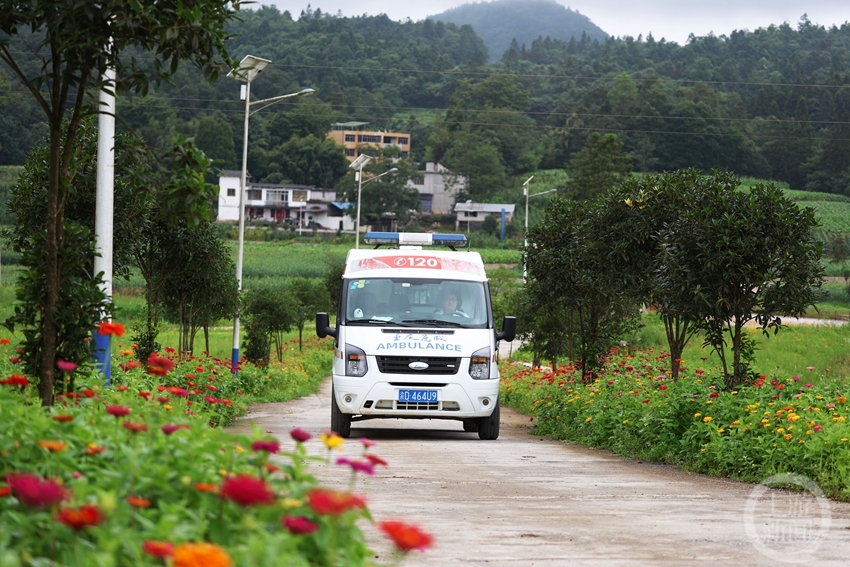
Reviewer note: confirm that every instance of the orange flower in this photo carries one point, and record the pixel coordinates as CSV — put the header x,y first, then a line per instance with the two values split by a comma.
x,y
52,446
82,517
5,491
94,449
204,487
138,501
108,328
62,417
406,536
135,426
200,554
5,342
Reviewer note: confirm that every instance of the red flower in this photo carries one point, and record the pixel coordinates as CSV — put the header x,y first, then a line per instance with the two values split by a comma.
x,y
333,503
5,342
62,417
129,365
299,435
5,491
662,387
299,525
88,393
158,365
108,328
118,411
82,517
246,490
122,388
138,501
36,492
135,426
377,460
158,548
713,395
267,446
406,536
15,380
175,391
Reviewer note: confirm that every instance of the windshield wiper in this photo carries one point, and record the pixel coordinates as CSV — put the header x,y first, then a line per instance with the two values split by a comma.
x,y
432,322
370,321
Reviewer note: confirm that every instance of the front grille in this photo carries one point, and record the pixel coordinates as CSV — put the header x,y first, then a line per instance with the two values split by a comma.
x,y
432,406
399,365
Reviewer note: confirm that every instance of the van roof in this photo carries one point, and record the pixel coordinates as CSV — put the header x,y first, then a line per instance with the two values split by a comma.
x,y
444,264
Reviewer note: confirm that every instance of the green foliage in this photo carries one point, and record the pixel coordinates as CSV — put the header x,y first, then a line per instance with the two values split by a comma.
x,y
599,167
269,314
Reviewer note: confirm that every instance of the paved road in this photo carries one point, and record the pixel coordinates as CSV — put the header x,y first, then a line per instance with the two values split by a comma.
x,y
527,501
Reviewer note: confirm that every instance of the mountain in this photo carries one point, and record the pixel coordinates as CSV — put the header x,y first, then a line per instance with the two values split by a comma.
x,y
501,21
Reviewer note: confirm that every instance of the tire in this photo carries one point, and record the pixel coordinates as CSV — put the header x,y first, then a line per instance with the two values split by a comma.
x,y
340,422
470,425
488,427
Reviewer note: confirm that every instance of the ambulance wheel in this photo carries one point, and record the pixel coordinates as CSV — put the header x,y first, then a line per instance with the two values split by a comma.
x,y
340,422
488,427
470,425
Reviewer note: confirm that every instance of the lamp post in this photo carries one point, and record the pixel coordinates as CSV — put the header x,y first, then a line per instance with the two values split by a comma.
x,y
249,68
527,197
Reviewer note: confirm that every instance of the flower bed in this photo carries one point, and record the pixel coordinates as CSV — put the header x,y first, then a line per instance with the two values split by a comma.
x,y
136,473
773,425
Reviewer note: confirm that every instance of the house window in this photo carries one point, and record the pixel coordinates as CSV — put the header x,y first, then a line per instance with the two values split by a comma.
x,y
349,137
231,192
426,202
277,196
402,141
349,151
254,194
366,139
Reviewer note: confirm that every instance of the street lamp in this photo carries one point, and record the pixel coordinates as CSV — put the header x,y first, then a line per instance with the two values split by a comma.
x,y
527,197
358,164
249,68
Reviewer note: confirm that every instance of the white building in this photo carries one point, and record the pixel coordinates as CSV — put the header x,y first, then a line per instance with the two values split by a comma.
x,y
285,204
475,213
438,188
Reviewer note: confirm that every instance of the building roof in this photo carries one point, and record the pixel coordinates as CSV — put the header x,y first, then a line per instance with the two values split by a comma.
x,y
349,124
484,207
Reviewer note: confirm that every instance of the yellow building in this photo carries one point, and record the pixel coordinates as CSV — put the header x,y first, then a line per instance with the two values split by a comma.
x,y
356,140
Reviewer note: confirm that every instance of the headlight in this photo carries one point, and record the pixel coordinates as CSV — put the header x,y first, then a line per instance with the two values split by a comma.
x,y
355,361
479,364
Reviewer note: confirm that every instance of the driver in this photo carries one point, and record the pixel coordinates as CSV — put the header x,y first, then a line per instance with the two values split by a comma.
x,y
451,306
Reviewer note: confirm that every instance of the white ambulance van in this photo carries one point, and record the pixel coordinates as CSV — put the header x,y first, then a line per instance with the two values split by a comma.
x,y
414,335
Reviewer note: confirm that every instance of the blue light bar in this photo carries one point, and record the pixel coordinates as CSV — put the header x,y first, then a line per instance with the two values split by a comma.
x,y
415,239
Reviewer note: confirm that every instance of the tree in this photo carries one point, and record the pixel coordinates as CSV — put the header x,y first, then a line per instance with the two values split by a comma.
x,y
600,165
569,274
306,298
268,317
76,43
215,137
741,256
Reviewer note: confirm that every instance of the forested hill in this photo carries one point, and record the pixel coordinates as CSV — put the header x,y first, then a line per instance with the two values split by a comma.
x,y
501,22
772,103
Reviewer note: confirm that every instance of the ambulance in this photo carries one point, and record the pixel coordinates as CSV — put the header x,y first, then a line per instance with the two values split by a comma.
x,y
414,336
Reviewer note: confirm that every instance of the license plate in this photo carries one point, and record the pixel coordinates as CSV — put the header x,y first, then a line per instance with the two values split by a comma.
x,y
426,396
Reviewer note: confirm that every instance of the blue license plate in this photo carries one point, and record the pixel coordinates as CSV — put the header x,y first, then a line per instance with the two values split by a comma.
x,y
426,396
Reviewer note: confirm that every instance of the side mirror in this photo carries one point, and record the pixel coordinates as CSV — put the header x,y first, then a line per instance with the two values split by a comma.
x,y
508,329
323,328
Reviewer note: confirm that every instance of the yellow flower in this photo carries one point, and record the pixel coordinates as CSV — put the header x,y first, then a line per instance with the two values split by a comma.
x,y
588,419
166,406
625,421
736,422
844,440
809,432
838,418
801,441
788,436
200,554
721,430
707,418
780,430
332,440
291,503
697,414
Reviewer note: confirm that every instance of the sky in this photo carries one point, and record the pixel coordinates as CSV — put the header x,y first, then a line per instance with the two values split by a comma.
x,y
673,20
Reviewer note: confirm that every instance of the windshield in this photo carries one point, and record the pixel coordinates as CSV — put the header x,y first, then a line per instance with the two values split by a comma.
x,y
416,302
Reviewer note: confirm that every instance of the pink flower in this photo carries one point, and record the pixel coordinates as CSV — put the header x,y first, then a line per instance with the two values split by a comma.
x,y
36,492
265,445
299,435
808,384
299,525
364,467
66,365
118,411
367,442
810,367
817,427
170,428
